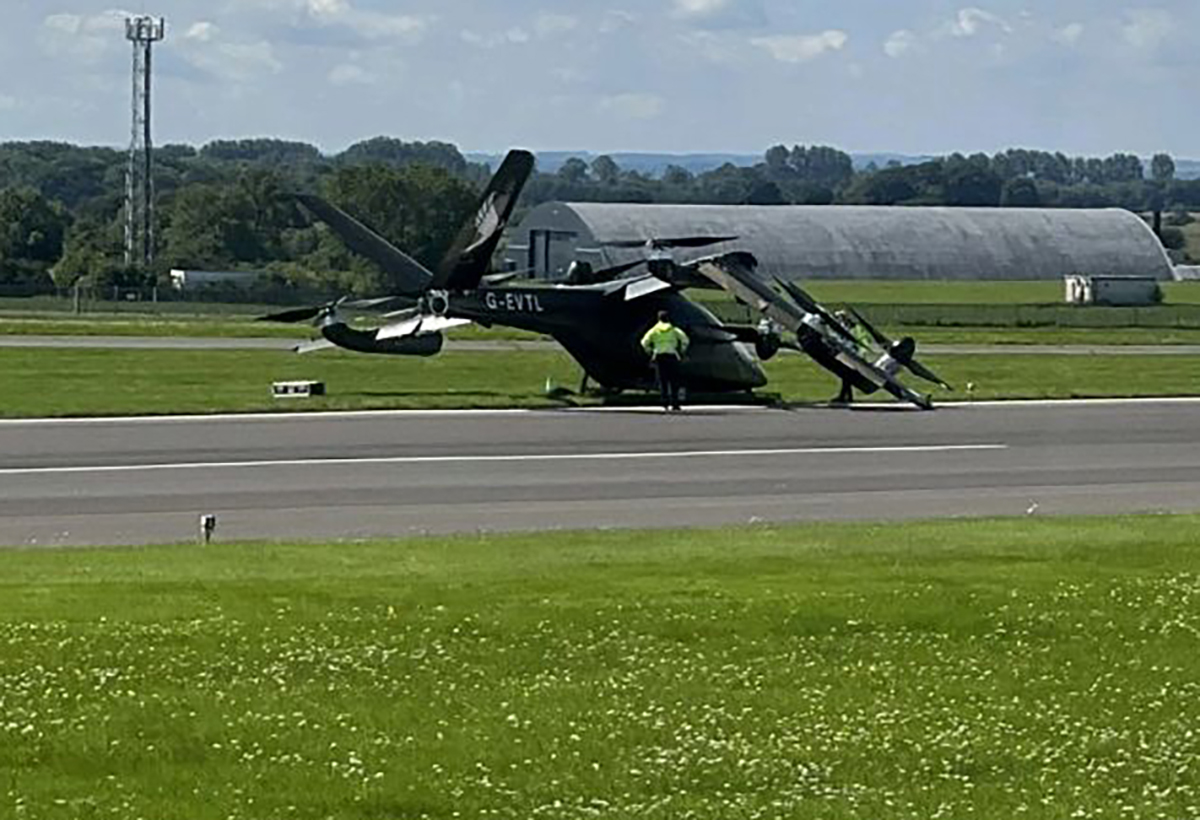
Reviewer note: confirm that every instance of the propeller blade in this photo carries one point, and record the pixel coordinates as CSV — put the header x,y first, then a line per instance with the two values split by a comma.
x,y
608,274
880,339
313,346
373,304
800,297
694,241
493,279
675,242
925,373
401,315
809,304
303,314
412,277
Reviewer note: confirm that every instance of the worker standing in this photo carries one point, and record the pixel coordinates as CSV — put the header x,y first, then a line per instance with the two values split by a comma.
x,y
666,345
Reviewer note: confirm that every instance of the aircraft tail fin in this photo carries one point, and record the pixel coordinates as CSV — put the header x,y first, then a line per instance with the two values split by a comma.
x,y
469,258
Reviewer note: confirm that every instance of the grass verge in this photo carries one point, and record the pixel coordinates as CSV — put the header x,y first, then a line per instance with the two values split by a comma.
x,y
206,328
71,382
1030,668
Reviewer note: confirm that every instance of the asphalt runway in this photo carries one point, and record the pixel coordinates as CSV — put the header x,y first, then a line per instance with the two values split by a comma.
x,y
112,481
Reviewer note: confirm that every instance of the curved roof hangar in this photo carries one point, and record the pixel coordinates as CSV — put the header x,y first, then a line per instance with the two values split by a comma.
x,y
857,242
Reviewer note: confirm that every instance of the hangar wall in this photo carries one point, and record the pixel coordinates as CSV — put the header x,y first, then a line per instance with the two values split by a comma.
x,y
856,242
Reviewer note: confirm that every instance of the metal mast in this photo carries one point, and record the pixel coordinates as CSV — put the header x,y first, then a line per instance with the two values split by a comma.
x,y
143,32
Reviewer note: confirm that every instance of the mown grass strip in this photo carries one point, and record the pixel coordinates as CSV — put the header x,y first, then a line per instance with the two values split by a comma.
x,y
1038,668
70,382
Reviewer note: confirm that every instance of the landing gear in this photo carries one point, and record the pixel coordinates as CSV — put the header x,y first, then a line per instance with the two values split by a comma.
x,y
845,396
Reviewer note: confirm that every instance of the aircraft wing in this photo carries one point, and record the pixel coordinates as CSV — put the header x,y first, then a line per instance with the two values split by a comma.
x,y
644,286
413,325
734,273
819,334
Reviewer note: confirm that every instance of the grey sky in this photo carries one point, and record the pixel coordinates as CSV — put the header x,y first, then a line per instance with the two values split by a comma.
x,y
916,76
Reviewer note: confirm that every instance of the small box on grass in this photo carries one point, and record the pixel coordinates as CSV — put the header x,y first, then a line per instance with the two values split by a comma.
x,y
289,390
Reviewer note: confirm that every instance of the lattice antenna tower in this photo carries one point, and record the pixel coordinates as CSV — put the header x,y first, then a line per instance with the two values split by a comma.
x,y
142,32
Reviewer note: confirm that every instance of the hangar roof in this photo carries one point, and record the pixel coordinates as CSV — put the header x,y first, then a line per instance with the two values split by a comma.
x,y
867,242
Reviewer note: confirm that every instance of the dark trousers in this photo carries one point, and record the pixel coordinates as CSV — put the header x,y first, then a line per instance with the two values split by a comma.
x,y
666,366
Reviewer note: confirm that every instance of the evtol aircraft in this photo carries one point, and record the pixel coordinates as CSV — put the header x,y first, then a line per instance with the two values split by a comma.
x,y
599,316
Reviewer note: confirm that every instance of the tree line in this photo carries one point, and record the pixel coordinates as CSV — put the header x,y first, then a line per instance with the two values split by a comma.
x,y
222,206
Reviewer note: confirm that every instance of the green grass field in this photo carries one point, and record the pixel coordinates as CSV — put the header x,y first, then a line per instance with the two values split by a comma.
x,y
70,382
1009,311
1031,668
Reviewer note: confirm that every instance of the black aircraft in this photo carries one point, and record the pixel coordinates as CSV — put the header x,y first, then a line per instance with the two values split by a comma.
x,y
598,316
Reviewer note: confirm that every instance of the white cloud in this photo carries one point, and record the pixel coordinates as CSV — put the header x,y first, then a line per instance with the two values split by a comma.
x,y
350,74
1069,34
616,20
801,48
203,32
720,13
547,25
368,25
1147,28
234,61
7,103
65,23
329,9
700,8
86,38
971,21
722,49
901,43
513,36
633,106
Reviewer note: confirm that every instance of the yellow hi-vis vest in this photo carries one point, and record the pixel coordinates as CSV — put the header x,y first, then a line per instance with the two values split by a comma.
x,y
664,337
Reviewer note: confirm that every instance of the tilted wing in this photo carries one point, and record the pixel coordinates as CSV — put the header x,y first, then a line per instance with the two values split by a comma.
x,y
734,273
469,258
413,277
827,342
903,352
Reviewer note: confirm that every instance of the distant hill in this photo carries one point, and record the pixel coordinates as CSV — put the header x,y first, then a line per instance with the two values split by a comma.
x,y
650,164
1187,168
654,164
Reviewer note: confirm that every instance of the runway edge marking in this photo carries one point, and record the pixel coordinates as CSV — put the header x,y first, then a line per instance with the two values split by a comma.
x,y
320,415
482,459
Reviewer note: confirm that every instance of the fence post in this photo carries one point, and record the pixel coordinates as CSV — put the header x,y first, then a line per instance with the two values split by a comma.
x,y
75,301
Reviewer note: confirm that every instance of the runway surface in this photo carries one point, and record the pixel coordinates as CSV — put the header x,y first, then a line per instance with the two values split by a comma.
x,y
373,474
282,344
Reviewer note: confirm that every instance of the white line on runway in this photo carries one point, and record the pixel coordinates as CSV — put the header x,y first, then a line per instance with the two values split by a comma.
x,y
323,415
481,459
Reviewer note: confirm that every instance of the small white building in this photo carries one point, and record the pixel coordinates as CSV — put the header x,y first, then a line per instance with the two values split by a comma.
x,y
192,279
1113,291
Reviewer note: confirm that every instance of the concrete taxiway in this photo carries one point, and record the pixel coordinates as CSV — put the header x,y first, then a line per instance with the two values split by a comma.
x,y
130,481
502,346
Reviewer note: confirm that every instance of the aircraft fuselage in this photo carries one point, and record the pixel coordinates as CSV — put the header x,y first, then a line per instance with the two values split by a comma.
x,y
603,332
